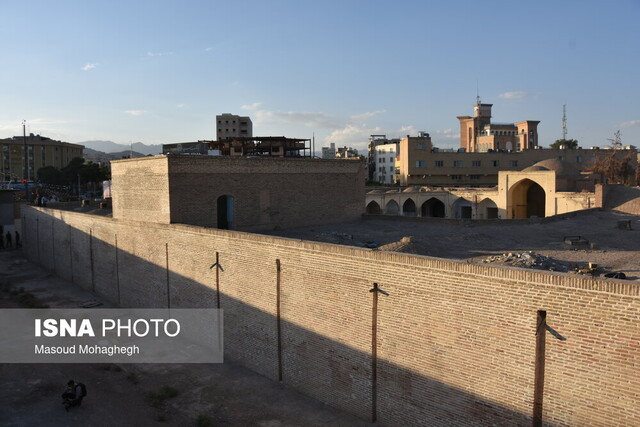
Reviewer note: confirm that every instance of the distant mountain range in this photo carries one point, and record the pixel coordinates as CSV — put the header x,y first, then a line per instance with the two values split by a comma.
x,y
112,147
102,157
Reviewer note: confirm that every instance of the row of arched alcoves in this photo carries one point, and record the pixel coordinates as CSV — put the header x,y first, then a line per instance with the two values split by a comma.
x,y
436,208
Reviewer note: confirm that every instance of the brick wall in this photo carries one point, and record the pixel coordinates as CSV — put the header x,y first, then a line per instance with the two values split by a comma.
x,y
267,192
455,341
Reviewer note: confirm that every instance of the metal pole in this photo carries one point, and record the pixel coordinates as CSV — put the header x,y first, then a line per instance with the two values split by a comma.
x,y
26,160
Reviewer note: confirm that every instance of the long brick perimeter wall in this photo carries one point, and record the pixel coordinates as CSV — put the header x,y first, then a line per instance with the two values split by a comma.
x,y
455,342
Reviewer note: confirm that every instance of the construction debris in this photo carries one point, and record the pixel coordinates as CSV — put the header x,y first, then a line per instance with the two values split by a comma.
x,y
531,259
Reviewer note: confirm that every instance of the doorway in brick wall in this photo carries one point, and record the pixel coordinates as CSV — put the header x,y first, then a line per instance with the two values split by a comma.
x,y
225,212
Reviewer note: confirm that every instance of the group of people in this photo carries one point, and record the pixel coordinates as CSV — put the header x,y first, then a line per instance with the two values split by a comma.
x,y
73,394
6,240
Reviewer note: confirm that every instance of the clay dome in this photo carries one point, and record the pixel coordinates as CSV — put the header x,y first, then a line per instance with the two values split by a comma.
x,y
562,168
410,190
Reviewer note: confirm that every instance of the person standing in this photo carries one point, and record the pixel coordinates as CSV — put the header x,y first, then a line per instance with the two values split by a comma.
x,y
8,236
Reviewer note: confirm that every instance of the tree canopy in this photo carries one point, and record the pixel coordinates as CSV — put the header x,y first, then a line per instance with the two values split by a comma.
x,y
566,143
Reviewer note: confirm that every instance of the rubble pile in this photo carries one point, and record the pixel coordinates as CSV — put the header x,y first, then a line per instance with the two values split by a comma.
x,y
531,259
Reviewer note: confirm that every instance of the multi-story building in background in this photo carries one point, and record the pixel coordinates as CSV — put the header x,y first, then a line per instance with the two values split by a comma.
x,y
385,169
41,151
374,141
329,152
479,134
230,126
333,152
421,164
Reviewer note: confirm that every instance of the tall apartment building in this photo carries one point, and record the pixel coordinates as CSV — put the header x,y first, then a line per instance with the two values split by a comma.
x,y
479,134
41,152
230,126
385,170
374,141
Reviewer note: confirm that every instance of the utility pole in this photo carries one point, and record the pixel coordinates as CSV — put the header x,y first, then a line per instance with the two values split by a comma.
x,y
26,161
564,122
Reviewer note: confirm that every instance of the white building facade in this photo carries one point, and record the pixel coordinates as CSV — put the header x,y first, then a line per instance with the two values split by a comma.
x,y
385,160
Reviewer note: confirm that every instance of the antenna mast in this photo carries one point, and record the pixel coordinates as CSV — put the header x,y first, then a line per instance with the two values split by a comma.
x,y
478,101
564,122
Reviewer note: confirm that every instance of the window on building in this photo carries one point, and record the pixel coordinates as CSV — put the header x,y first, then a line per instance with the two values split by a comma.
x,y
420,145
561,158
474,177
457,163
495,163
476,163
514,163
456,177
384,160
578,159
390,168
420,163
439,163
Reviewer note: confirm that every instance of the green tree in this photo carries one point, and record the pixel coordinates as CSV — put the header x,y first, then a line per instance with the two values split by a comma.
x,y
49,175
70,172
567,143
91,172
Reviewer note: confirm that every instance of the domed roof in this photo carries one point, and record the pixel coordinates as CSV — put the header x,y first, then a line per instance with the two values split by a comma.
x,y
378,191
410,190
535,168
562,168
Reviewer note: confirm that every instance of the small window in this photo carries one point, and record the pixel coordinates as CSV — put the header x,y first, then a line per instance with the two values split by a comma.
x,y
495,163
514,163
476,163
474,177
420,163
457,163
390,168
456,177
439,163
578,159
420,145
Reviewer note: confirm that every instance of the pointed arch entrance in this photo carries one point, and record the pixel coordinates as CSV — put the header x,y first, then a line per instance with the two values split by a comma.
x,y
433,208
527,199
392,208
374,208
409,208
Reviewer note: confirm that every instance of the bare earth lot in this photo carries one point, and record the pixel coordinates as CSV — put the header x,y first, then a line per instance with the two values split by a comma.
x,y
615,249
117,395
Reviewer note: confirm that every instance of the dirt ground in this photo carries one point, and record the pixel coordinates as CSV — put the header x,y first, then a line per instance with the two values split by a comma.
x,y
118,395
615,249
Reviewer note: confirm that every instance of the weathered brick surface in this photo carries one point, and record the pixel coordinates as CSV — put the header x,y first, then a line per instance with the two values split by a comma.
x,y
456,341
267,192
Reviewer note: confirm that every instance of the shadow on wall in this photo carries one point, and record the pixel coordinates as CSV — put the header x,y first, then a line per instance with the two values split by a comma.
x,y
265,302
623,199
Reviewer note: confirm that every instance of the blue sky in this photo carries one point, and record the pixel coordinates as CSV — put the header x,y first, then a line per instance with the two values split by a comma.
x,y
159,71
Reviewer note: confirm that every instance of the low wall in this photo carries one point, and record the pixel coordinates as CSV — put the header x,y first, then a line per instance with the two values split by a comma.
x,y
451,344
